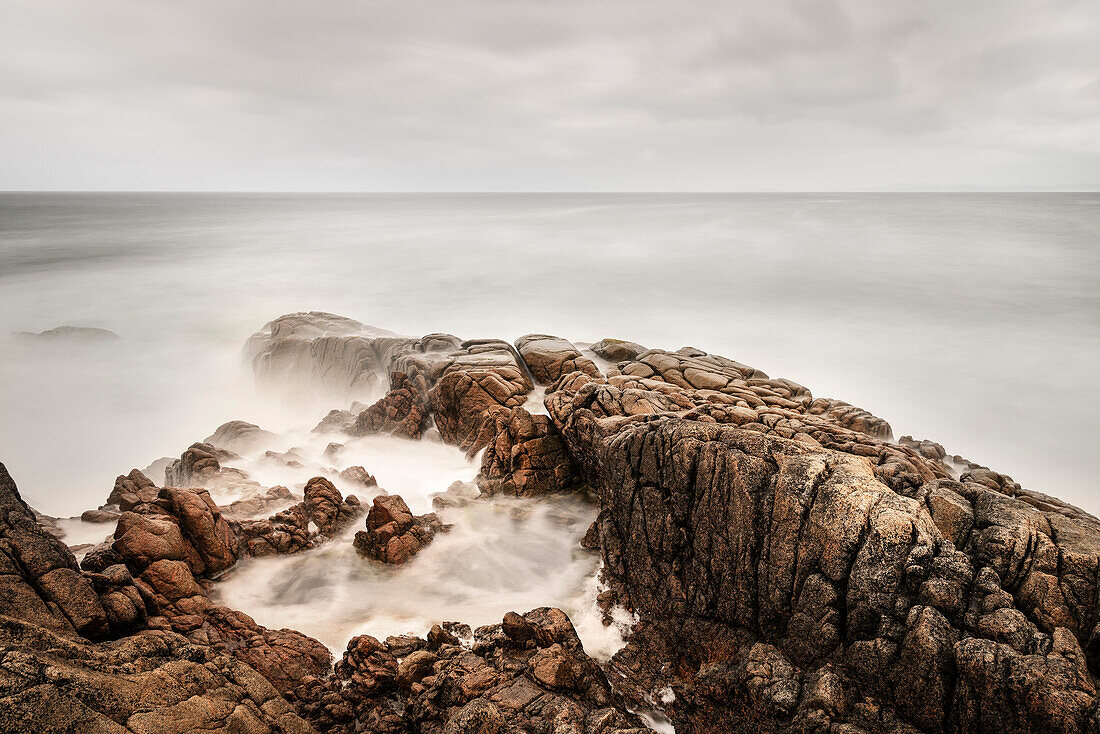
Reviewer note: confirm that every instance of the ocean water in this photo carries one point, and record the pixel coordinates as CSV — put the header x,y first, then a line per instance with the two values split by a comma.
x,y
970,319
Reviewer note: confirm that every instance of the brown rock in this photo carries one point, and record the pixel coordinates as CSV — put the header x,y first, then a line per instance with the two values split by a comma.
x,y
393,534
550,357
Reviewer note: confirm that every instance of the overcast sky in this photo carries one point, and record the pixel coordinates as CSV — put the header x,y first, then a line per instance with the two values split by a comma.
x,y
505,95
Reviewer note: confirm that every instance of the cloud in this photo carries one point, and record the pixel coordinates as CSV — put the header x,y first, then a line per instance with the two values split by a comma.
x,y
514,94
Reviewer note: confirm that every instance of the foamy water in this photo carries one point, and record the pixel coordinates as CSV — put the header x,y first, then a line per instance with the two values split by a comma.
x,y
500,555
973,320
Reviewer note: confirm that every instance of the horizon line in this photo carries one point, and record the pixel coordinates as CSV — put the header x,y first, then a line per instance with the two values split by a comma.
x,y
1078,189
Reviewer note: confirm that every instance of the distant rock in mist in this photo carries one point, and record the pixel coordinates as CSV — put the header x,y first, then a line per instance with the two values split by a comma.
x,y
72,333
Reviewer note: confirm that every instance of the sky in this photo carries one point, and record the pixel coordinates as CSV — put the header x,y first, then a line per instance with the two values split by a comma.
x,y
515,95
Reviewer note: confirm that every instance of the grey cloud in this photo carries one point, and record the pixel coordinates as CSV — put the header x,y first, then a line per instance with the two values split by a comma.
x,y
495,94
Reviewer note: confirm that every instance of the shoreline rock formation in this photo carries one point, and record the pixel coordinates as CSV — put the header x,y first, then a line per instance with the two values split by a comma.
x,y
790,566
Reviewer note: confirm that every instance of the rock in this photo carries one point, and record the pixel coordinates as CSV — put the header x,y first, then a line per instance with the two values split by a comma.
x,y
98,516
359,475
318,351
152,681
132,489
484,376
249,508
495,687
195,467
851,417
552,667
239,437
146,684
73,333
322,514
524,457
800,580
550,357
403,411
40,581
394,535
337,421
617,350
437,637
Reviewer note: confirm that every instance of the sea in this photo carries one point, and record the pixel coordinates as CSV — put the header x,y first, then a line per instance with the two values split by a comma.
x,y
967,318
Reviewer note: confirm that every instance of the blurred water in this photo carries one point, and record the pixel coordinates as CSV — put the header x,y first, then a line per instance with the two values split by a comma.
x,y
972,319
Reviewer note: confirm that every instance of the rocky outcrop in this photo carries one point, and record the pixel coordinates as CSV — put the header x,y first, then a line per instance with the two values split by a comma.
x,y
40,581
321,515
524,455
527,674
99,516
249,508
88,334
849,416
550,357
52,678
201,466
174,544
798,588
196,467
152,683
789,566
394,535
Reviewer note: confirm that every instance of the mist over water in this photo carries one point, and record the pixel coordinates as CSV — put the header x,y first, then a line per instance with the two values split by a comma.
x,y
973,320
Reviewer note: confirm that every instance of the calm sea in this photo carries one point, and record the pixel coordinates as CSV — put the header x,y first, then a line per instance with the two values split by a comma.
x,y
971,319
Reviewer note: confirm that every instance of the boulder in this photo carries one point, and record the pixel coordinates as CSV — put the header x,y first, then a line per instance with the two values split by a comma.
x,y
550,357
239,437
617,350
394,535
